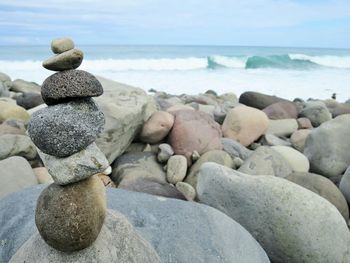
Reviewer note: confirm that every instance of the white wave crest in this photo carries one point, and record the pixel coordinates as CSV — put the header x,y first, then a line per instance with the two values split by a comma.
x,y
230,62
328,61
191,63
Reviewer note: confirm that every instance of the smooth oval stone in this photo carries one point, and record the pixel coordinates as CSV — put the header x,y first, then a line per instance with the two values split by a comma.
x,y
66,128
70,217
70,59
68,84
60,45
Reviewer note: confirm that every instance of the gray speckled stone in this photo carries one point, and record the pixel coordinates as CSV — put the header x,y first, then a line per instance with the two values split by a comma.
x,y
75,167
66,128
202,234
117,242
69,84
70,59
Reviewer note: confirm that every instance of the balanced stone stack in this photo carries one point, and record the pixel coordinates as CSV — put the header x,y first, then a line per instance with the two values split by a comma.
x,y
71,211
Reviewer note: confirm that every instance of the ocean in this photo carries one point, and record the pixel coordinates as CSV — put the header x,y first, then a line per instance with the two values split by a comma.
x,y
286,72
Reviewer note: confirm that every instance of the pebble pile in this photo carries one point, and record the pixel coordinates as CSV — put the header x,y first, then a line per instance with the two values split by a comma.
x,y
71,211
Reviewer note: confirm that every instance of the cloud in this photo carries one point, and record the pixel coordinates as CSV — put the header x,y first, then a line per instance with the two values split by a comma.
x,y
127,19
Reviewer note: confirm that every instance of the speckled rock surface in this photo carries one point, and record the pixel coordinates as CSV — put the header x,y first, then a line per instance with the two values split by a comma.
x,y
69,84
66,128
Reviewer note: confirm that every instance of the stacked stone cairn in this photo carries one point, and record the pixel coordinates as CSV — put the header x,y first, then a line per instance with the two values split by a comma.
x,y
71,211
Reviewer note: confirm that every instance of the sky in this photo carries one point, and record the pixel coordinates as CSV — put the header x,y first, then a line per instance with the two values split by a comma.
x,y
299,23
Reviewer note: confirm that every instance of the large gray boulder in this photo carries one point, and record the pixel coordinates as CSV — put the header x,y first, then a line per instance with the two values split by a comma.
x,y
266,161
291,223
202,234
344,185
323,187
125,108
327,147
15,174
117,242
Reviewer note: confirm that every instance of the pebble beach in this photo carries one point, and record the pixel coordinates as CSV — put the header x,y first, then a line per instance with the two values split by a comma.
x,y
94,170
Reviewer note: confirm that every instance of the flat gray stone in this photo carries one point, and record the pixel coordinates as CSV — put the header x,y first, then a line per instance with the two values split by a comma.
x,y
75,167
70,59
64,129
235,149
70,84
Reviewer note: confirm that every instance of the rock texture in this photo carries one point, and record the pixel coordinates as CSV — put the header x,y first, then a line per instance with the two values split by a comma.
x,y
266,161
211,234
327,147
323,187
66,128
70,84
12,111
258,100
70,59
125,109
157,127
117,242
297,161
17,145
291,223
244,124
15,174
194,131
70,218
75,167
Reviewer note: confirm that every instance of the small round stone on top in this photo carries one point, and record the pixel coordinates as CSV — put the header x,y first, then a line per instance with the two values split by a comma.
x,y
60,45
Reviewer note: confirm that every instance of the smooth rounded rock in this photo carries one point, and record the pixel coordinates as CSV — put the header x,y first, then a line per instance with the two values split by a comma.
x,y
316,112
176,169
17,145
344,185
244,124
117,242
42,175
283,127
323,187
298,139
258,100
157,127
327,147
70,218
70,84
60,45
213,236
29,100
15,175
273,140
290,222
282,110
304,123
216,156
12,111
194,131
20,85
296,159
66,128
77,166
235,149
187,190
70,59
165,151
266,161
